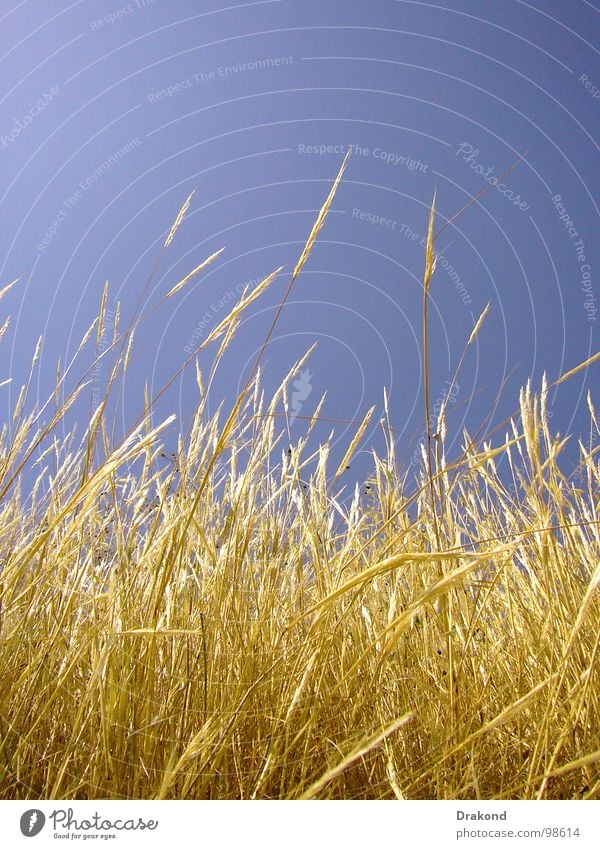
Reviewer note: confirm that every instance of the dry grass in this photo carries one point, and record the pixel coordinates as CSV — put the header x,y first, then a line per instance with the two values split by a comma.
x,y
226,627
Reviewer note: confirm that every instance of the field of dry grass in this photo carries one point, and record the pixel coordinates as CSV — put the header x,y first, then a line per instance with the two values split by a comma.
x,y
226,626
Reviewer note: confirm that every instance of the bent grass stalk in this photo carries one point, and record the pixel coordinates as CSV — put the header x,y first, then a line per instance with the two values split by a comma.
x,y
236,629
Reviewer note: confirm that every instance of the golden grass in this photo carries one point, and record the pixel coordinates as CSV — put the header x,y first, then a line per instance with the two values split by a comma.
x,y
227,628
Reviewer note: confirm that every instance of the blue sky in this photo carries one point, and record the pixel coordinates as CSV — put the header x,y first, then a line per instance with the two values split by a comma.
x,y
111,113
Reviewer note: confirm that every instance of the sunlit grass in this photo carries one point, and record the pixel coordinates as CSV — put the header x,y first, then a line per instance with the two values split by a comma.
x,y
226,626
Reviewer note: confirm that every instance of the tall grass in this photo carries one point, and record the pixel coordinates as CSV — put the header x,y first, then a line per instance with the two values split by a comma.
x,y
225,626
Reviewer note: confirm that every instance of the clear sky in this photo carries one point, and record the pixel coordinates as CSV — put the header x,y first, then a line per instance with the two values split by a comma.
x,y
111,113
